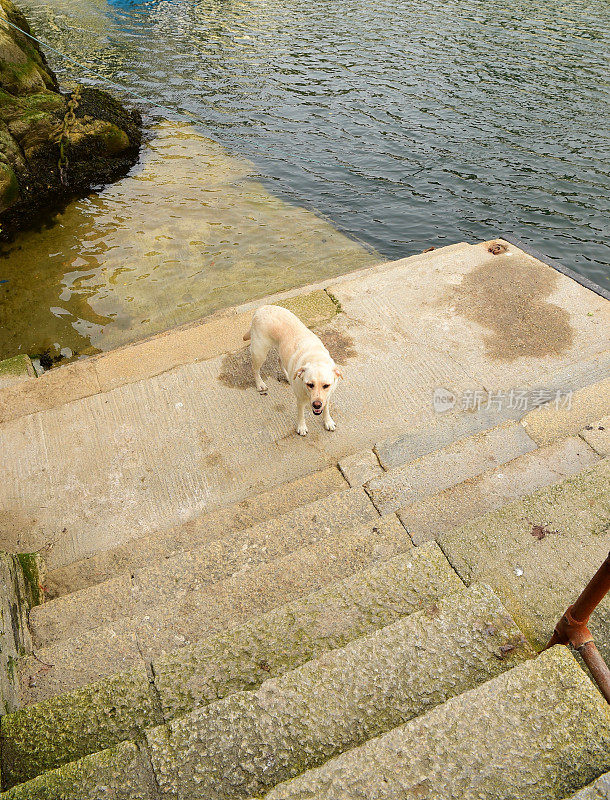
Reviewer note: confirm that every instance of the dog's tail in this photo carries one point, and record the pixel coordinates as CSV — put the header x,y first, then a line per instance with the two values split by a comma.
x,y
246,336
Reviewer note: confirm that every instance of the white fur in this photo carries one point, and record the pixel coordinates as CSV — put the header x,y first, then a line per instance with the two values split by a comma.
x,y
307,364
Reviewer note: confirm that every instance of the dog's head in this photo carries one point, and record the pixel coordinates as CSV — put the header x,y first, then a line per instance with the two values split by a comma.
x,y
320,381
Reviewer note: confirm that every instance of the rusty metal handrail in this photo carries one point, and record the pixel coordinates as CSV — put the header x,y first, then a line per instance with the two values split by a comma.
x,y
572,630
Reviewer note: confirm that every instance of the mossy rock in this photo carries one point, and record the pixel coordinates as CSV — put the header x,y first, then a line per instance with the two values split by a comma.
x,y
101,145
9,187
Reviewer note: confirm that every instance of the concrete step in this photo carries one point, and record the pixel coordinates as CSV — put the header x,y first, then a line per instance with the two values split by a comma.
x,y
430,517
244,745
169,626
548,423
171,579
140,552
72,725
598,790
583,396
443,468
540,730
539,552
597,435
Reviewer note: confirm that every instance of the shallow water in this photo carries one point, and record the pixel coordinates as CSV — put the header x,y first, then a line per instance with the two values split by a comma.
x,y
187,233
406,125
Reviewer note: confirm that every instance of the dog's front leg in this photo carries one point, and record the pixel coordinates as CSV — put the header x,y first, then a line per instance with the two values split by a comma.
x,y
329,423
301,426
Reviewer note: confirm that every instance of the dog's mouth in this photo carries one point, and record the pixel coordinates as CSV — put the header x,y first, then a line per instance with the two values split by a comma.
x,y
316,411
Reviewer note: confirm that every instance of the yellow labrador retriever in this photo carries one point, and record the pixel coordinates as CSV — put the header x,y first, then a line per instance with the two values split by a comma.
x,y
307,364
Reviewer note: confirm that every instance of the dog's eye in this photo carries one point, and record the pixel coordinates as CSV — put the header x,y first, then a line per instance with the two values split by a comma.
x,y
326,385
310,385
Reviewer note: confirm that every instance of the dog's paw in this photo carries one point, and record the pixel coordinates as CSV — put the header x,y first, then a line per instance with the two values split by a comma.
x,y
330,425
302,430
262,388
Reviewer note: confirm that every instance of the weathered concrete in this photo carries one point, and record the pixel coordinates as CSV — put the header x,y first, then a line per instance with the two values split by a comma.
x,y
149,454
539,552
598,790
245,744
453,464
515,736
483,413
430,517
119,773
140,552
220,606
99,715
360,468
597,434
41,737
171,580
550,422
16,370
285,638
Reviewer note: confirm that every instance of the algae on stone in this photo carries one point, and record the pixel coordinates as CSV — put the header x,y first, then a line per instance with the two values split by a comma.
x,y
43,736
115,774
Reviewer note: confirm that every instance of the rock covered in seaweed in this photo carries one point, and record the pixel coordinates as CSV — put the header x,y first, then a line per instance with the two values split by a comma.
x,y
101,143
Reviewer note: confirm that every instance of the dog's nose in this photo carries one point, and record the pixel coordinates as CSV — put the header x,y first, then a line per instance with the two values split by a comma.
x,y
317,404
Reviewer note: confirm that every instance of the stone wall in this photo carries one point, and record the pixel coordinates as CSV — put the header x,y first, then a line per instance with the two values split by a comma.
x,y
20,588
100,144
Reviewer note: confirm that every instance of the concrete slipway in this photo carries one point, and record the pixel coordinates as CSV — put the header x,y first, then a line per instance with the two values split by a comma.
x,y
234,610
107,449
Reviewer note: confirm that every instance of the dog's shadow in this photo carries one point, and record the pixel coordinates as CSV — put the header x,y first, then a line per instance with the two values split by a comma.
x,y
236,369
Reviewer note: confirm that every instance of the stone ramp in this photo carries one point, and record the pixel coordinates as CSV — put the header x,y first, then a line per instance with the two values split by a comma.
x,y
206,554
131,448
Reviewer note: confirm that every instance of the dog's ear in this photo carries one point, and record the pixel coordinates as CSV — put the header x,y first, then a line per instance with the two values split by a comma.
x,y
338,372
298,373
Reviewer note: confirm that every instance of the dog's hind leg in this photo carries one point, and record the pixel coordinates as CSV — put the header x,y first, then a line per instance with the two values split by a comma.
x,y
259,348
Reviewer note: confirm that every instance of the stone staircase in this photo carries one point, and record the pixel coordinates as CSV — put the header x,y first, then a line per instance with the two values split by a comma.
x,y
362,617
357,632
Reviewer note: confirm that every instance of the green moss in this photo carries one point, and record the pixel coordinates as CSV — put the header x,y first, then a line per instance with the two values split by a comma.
x,y
11,668
31,567
336,301
16,366
9,187
75,724
20,78
312,308
43,101
114,140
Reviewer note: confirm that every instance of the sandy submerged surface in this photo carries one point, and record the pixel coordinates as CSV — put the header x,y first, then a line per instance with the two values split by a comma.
x,y
189,231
